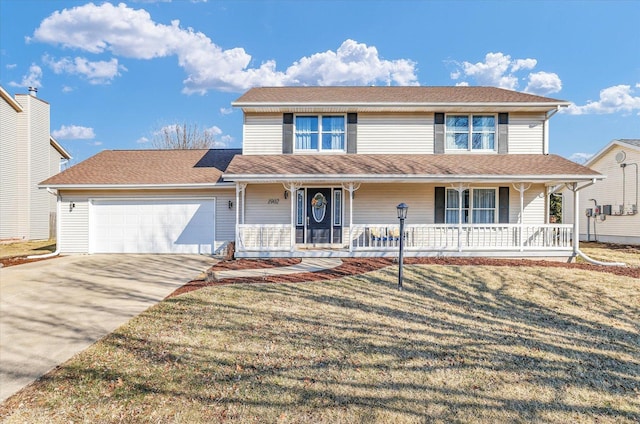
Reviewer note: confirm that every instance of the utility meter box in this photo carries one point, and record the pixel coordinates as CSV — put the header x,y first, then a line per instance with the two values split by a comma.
x,y
606,209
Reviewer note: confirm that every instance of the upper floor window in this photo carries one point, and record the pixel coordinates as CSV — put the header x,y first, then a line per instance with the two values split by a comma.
x,y
320,132
470,132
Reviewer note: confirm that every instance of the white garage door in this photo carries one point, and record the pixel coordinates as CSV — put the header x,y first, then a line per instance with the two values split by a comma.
x,y
152,226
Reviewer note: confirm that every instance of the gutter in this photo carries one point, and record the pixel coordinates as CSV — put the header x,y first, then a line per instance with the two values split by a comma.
x,y
58,227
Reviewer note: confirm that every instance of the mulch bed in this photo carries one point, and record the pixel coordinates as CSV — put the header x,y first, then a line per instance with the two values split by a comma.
x,y
355,266
19,261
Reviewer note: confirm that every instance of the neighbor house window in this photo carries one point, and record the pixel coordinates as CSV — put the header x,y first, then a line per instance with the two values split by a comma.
x,y
320,132
481,202
470,132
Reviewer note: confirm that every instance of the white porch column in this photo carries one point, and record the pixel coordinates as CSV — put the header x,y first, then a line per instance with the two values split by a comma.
x,y
521,188
576,219
239,189
460,188
351,188
293,195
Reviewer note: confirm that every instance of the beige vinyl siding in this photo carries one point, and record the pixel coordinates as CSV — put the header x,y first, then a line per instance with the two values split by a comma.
x,y
10,173
225,218
54,168
40,169
615,228
526,133
74,225
376,203
265,204
262,134
395,133
22,154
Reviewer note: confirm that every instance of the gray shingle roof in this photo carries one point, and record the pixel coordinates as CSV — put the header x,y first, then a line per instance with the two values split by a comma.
x,y
147,167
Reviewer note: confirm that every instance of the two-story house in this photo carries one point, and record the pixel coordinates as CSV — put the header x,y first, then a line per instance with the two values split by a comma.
x,y
28,155
322,170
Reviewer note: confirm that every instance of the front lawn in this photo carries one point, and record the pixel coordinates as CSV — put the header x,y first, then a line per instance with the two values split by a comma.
x,y
478,344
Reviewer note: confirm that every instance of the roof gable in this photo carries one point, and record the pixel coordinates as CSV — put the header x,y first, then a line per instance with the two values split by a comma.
x,y
625,143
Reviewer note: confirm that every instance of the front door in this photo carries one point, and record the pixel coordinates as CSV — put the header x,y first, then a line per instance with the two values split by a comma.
x,y
319,215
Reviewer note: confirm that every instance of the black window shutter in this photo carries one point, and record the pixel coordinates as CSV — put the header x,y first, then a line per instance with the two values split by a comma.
x,y
352,132
287,133
438,139
438,214
503,206
503,133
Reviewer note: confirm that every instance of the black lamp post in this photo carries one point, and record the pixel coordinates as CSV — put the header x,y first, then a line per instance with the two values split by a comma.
x,y
402,215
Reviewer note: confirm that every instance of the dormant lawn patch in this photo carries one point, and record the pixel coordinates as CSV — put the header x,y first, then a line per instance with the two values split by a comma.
x,y
461,344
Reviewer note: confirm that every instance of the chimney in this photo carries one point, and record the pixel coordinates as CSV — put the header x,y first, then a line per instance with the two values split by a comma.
x,y
33,91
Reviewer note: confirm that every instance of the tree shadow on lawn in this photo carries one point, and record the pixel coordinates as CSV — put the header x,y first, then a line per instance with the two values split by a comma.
x,y
450,347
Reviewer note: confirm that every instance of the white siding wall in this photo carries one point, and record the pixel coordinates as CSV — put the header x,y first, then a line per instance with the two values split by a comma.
x,y
376,203
9,173
262,134
225,218
74,225
526,133
622,228
266,204
395,133
40,169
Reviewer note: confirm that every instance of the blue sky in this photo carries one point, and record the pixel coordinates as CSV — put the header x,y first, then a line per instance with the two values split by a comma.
x,y
116,73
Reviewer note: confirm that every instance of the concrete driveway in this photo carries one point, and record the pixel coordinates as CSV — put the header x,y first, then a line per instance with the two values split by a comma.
x,y
52,309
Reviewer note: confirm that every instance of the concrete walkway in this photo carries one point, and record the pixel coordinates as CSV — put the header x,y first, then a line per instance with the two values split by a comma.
x,y
306,265
52,309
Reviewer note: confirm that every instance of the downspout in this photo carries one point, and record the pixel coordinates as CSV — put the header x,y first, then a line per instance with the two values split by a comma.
x,y
545,132
576,229
58,228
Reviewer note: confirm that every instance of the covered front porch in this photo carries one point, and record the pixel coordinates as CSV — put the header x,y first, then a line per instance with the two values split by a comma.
x,y
459,205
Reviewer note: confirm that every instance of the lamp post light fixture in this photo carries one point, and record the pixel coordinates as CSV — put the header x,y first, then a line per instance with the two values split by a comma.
x,y
402,215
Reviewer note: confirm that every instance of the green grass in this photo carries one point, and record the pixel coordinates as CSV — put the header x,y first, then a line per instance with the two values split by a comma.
x,y
460,344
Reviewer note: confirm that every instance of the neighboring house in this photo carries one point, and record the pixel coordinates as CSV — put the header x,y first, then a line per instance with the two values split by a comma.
x,y
146,201
28,155
608,210
323,169
321,172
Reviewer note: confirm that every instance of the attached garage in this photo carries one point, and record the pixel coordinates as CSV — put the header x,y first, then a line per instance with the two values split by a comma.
x,y
172,225
146,201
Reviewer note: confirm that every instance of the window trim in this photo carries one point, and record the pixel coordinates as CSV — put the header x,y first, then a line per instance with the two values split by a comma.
x,y
471,208
320,133
470,133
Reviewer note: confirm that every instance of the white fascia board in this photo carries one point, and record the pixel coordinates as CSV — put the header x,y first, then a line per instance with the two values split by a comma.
x,y
59,148
550,105
12,102
411,178
135,186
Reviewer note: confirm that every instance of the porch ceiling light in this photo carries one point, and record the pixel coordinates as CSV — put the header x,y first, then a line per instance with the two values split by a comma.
x,y
402,210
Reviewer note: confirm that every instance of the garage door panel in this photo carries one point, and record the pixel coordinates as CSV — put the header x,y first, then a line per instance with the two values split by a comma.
x,y
153,226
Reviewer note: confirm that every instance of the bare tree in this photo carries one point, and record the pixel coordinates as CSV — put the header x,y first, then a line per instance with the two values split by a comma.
x,y
185,136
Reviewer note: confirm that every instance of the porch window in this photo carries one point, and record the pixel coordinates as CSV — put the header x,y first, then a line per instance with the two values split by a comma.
x,y
300,207
481,202
470,132
320,133
337,208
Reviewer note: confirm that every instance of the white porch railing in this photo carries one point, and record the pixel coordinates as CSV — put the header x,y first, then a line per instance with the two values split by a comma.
x,y
439,237
264,237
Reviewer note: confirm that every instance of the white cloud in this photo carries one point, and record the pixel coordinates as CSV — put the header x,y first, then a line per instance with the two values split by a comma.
x,y
581,158
143,140
500,70
214,131
32,79
619,98
67,89
226,111
543,83
74,132
95,143
132,33
99,72
11,65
